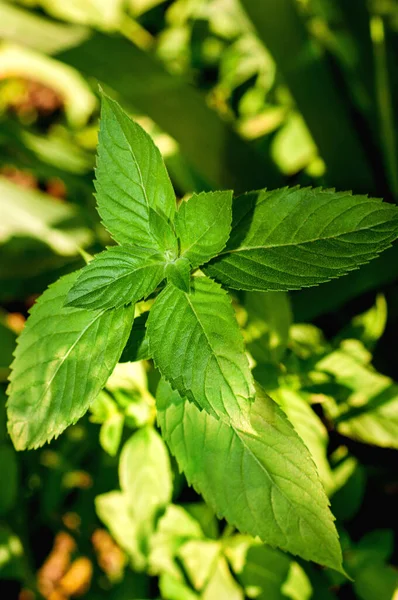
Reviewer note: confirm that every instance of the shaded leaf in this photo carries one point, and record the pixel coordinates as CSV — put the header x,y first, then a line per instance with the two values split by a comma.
x,y
291,238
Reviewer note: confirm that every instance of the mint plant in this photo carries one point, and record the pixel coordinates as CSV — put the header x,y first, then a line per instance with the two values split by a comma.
x,y
235,445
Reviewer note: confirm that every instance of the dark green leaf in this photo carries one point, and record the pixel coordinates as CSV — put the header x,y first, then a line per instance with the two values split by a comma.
x,y
137,347
291,238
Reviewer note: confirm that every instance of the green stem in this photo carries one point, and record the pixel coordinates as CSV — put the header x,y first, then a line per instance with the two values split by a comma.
x,y
384,101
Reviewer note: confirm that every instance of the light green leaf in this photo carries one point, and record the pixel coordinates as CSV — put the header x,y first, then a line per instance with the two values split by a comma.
x,y
174,528
145,474
118,276
131,179
30,213
259,476
199,558
63,359
111,433
291,238
178,273
267,329
196,343
370,413
114,511
369,326
203,225
298,585
174,588
309,427
222,585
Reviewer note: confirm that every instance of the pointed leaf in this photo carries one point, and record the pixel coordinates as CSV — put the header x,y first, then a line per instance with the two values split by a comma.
x,y
203,225
287,239
259,476
118,276
196,343
63,359
178,273
130,178
145,473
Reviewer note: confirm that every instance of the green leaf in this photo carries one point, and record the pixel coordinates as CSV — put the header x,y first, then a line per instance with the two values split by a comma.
x,y
174,588
369,326
164,234
130,179
291,238
268,324
196,343
222,584
63,359
203,225
145,474
174,528
199,558
178,273
114,511
137,346
31,214
267,570
370,412
111,433
118,276
259,476
309,427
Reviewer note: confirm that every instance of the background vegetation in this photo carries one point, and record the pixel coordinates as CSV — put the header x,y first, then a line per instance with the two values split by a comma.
x,y
240,94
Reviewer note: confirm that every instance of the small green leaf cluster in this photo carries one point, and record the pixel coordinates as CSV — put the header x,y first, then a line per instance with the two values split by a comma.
x,y
235,444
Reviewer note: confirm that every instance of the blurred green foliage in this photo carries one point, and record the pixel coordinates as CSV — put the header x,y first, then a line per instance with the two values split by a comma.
x,y
242,94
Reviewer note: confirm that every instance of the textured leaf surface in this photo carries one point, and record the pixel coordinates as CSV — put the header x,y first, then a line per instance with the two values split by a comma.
x,y
63,359
178,273
130,178
261,478
118,276
203,225
291,238
196,343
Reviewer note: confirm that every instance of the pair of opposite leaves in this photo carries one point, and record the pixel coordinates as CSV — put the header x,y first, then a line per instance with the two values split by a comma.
x,y
264,482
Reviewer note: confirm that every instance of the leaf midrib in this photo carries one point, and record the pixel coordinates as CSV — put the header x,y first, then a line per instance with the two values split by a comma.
x,y
295,244
214,354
